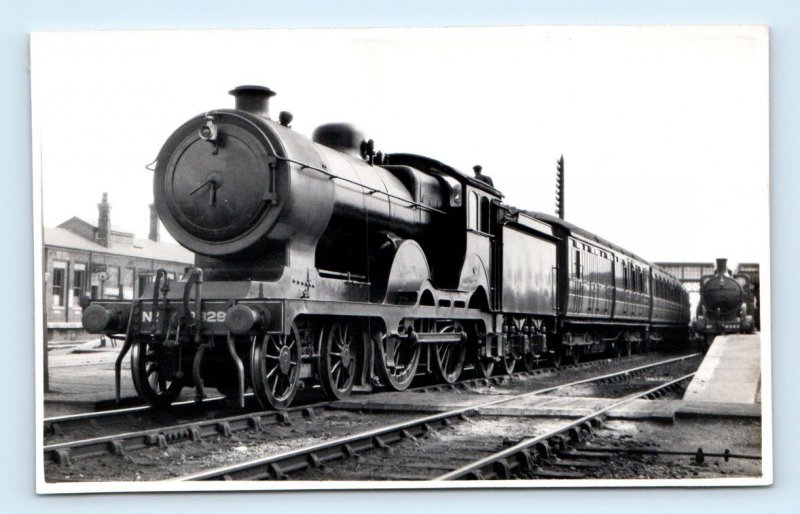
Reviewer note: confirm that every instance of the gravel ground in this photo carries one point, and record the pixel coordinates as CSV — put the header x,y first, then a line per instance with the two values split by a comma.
x,y
437,453
448,449
686,435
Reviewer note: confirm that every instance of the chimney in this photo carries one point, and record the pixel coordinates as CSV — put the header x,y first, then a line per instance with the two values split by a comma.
x,y
153,235
253,99
104,221
722,266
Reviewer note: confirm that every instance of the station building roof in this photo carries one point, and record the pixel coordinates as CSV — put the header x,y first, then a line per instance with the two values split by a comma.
x,y
88,225
140,247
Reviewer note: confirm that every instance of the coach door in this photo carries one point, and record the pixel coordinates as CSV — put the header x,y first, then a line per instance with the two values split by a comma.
x,y
575,300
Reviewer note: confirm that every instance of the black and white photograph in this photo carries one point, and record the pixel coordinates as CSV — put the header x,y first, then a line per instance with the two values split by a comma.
x,y
421,258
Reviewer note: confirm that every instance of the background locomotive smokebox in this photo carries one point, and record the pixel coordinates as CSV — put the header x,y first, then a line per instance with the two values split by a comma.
x,y
644,124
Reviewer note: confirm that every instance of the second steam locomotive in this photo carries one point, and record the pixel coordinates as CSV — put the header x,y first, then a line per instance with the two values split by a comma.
x,y
727,304
321,261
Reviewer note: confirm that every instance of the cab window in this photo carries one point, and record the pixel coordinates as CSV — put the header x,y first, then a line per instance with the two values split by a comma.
x,y
484,215
472,208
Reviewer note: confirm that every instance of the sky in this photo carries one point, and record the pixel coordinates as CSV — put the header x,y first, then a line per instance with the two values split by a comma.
x,y
664,130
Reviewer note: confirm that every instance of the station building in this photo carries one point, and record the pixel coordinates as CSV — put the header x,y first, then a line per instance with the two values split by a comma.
x,y
100,261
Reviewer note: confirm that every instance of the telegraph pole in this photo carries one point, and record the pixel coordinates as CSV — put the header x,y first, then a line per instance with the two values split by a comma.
x,y
560,188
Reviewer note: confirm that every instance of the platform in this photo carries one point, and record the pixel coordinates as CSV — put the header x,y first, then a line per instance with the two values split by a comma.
x,y
82,379
730,372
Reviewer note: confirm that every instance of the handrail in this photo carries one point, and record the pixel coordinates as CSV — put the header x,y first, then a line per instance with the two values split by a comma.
x,y
372,190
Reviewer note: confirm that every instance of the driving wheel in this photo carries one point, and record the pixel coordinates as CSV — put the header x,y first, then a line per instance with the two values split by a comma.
x,y
448,358
341,344
275,369
396,360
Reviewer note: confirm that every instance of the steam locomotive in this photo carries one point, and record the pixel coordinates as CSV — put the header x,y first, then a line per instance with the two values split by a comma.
x,y
325,262
727,304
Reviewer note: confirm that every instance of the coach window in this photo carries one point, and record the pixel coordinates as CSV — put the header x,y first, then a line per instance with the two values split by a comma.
x,y
577,264
78,282
588,270
59,283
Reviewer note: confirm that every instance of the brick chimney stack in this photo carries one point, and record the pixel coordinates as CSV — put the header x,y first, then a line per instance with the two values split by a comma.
x,y
153,236
104,221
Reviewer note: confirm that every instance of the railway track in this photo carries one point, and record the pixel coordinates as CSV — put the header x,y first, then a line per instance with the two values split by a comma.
x,y
314,462
121,444
63,427
524,456
210,433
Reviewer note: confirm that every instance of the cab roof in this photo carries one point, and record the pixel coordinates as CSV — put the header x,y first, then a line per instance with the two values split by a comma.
x,y
433,166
